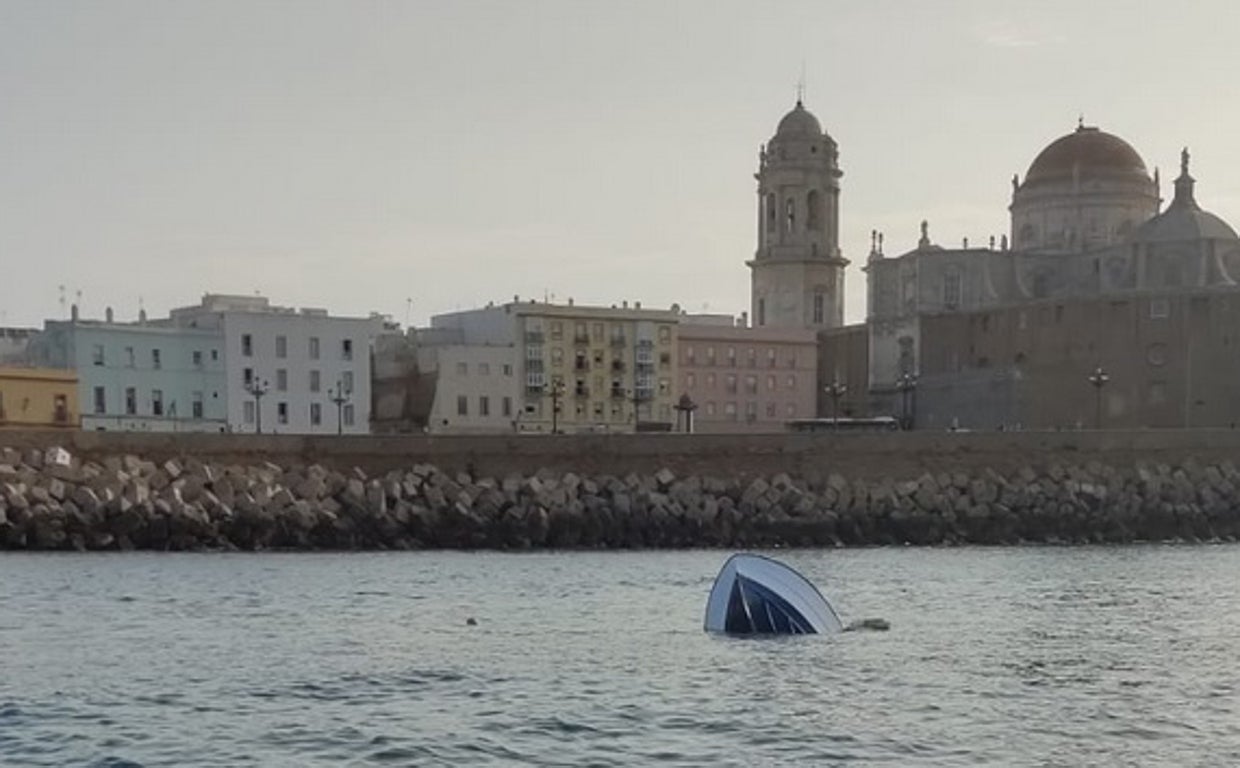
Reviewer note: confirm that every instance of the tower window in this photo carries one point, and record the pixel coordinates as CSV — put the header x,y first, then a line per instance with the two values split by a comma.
x,y
813,216
761,318
790,215
818,308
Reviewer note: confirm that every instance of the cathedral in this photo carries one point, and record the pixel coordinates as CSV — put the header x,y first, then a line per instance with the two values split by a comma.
x,y
1101,308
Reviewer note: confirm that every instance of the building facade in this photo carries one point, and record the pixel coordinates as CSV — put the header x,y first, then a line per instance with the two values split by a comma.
x,y
575,368
746,379
298,371
38,398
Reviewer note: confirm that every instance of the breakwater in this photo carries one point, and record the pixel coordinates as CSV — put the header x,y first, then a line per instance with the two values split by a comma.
x,y
54,499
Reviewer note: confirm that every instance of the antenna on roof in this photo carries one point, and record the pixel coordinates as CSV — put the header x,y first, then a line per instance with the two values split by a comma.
x,y
801,84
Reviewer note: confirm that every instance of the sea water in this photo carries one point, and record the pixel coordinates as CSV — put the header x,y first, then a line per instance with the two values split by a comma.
x,y
1017,656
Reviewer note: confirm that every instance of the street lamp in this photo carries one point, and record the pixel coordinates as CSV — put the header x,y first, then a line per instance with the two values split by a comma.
x,y
339,396
1098,379
907,383
684,409
257,388
835,390
557,391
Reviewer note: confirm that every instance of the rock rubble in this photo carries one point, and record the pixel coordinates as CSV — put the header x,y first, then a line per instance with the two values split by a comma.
x,y
51,500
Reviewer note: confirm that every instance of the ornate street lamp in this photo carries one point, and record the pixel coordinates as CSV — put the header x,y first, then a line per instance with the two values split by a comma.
x,y
1098,379
835,390
257,388
557,392
340,396
907,383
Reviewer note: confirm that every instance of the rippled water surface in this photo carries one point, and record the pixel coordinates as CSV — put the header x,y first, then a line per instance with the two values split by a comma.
x,y
1090,656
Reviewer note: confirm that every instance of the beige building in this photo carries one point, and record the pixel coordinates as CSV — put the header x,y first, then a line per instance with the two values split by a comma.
x,y
746,379
572,368
38,398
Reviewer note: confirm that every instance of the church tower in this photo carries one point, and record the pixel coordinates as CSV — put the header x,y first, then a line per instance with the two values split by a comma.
x,y
798,271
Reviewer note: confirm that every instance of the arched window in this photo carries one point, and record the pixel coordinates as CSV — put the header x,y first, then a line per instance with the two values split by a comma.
x,y
813,216
790,215
770,213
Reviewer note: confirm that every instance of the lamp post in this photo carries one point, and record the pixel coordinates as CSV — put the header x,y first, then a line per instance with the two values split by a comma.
x,y
557,391
907,383
835,390
339,396
257,388
685,408
1098,379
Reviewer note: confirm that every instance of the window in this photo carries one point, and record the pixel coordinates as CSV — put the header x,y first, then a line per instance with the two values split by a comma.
x,y
462,405
316,382
665,334
314,347
157,402
484,405
751,384
761,318
197,358
96,354
215,354
792,382
710,355
247,376
751,411
951,290
129,357
819,301
557,357
689,354
281,379
505,406
771,410
710,381
770,358
690,381
156,361
281,346
195,405
316,414
346,382
732,356
507,369
1160,309
282,413
100,400
348,414
249,412
790,410
729,411
131,401
346,349
729,383
771,383
247,345
710,408
484,369
751,357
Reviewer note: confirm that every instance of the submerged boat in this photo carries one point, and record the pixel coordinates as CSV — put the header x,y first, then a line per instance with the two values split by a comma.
x,y
756,595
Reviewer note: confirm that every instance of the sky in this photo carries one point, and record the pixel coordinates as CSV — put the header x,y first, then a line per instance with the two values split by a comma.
x,y
412,158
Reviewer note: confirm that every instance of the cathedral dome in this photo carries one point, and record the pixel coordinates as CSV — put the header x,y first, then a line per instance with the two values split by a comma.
x,y
1086,151
799,122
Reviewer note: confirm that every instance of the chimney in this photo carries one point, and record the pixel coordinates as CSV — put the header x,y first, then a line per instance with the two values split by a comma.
x,y
570,301
625,304
107,314
142,317
637,305
73,313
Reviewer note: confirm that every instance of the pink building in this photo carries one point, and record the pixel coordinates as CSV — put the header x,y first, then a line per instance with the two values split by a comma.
x,y
746,379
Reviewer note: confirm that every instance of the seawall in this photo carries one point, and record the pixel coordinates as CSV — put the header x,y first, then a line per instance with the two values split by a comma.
x,y
122,490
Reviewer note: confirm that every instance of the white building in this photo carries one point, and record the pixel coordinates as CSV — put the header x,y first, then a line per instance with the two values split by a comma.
x,y
288,370
231,363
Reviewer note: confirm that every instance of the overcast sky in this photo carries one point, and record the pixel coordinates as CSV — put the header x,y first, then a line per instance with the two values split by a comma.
x,y
413,158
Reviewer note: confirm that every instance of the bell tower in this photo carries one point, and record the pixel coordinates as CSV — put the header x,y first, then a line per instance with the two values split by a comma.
x,y
798,271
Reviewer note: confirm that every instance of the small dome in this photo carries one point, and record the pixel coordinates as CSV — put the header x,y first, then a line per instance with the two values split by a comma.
x,y
799,122
1184,219
1087,151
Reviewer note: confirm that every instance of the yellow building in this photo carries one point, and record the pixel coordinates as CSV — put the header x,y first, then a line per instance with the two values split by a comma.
x,y
38,398
598,369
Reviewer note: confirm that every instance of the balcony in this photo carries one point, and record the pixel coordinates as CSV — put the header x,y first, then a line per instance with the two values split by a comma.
x,y
618,341
534,337
581,338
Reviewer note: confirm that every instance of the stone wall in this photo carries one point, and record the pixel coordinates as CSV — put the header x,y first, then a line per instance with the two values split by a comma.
x,y
207,492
